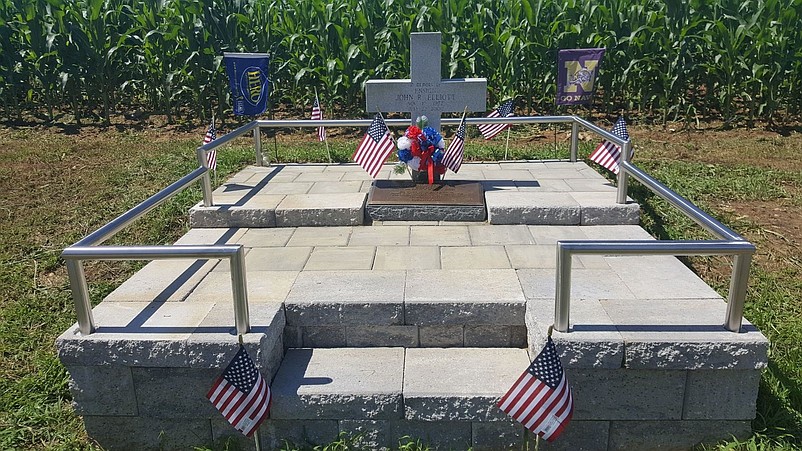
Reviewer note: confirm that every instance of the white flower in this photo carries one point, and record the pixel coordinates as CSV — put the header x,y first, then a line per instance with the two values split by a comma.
x,y
414,163
404,143
442,143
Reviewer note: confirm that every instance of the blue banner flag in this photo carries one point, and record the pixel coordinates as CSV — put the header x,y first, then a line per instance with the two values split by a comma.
x,y
247,75
576,75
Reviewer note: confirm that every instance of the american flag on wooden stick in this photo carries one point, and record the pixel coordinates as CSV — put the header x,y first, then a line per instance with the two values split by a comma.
x,y
608,154
211,156
241,394
375,147
453,155
491,130
541,398
317,115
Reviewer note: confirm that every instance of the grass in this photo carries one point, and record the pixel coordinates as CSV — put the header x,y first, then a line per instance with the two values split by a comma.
x,y
59,187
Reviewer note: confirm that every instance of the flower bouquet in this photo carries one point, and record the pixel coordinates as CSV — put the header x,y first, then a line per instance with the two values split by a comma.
x,y
421,151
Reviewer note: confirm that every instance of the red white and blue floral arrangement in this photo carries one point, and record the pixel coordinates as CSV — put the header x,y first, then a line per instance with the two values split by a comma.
x,y
421,150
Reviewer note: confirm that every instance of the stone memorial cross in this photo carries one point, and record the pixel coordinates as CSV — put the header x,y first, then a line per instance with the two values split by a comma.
x,y
426,93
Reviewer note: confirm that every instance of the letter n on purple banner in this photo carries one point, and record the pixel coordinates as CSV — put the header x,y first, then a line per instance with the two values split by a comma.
x,y
576,75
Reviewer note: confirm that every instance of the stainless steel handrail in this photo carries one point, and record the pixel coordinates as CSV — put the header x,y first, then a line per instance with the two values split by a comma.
x,y
742,250
88,249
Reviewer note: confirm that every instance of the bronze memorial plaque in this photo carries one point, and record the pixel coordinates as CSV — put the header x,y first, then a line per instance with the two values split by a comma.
x,y
407,192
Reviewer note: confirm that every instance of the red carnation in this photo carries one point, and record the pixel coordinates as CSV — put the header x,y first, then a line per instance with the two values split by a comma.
x,y
413,132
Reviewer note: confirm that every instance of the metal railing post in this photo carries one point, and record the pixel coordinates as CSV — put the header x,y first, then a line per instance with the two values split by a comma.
x,y
574,141
623,176
80,296
737,298
206,181
563,289
239,285
257,145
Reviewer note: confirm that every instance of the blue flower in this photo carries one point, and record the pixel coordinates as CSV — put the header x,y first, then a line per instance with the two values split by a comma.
x,y
437,156
404,155
432,135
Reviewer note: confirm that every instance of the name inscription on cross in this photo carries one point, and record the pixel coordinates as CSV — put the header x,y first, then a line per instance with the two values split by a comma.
x,y
425,93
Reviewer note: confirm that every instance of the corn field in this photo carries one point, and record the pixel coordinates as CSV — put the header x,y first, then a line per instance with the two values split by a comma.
x,y
738,61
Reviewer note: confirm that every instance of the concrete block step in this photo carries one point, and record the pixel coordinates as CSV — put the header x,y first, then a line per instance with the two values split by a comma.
x,y
445,397
433,308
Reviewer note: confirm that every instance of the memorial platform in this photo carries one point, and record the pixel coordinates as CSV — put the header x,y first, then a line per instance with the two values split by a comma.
x,y
385,329
303,195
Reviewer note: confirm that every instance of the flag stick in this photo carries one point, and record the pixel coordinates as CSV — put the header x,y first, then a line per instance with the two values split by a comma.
x,y
507,148
328,151
256,437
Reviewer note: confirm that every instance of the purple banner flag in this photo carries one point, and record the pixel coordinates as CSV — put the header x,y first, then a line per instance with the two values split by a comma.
x,y
576,75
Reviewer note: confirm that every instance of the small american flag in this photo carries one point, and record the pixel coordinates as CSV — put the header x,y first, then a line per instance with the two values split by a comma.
x,y
211,156
375,147
541,399
453,155
491,130
317,115
607,154
241,394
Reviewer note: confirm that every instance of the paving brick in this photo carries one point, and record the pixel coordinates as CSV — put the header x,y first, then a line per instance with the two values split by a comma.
x,y
324,337
102,390
277,258
371,336
446,435
214,343
531,208
250,214
585,284
430,235
263,286
531,256
721,394
294,187
223,235
344,383
347,297
625,394
368,434
175,392
134,334
684,334
320,236
341,209
580,436
640,435
325,176
602,208
586,185
474,257
341,258
478,377
325,187
306,433
380,236
549,234
488,336
441,336
660,277
400,258
162,280
615,232
486,235
266,237
592,340
497,435
141,433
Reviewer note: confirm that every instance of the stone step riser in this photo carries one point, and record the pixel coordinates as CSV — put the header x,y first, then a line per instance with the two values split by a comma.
x,y
406,336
